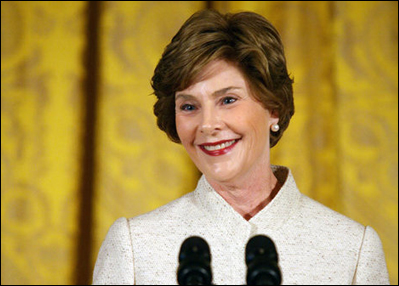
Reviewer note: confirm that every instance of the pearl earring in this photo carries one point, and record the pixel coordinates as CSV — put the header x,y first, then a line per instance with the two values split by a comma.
x,y
275,127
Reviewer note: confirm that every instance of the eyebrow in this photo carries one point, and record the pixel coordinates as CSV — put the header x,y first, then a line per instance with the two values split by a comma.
x,y
214,94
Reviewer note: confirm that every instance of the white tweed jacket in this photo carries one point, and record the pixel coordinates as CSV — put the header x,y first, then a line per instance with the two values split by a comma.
x,y
315,244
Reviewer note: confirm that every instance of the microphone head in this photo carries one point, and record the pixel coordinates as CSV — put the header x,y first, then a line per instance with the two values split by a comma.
x,y
262,260
260,245
194,262
194,246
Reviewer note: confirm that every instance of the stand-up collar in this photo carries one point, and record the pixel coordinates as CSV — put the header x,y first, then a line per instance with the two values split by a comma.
x,y
271,217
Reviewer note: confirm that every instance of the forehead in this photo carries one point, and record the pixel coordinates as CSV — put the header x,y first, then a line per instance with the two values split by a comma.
x,y
217,75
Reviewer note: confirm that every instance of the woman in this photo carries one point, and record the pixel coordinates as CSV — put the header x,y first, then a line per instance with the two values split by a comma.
x,y
224,93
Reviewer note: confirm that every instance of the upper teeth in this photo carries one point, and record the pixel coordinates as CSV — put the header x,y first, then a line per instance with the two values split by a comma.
x,y
219,146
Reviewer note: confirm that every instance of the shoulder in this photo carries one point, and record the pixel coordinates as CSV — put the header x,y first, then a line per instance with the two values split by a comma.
x,y
371,267
171,213
319,215
327,228
118,235
115,260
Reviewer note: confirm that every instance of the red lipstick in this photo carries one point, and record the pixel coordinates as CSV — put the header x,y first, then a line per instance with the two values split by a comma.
x,y
218,148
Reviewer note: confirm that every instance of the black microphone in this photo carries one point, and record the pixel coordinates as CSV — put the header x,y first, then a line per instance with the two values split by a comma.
x,y
262,262
194,262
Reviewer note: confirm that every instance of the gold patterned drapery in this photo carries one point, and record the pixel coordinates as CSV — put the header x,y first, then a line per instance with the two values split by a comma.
x,y
80,147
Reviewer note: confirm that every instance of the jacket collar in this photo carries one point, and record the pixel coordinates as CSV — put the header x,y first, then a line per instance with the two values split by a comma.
x,y
270,218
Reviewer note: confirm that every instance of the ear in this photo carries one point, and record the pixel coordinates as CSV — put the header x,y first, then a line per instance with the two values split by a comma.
x,y
274,117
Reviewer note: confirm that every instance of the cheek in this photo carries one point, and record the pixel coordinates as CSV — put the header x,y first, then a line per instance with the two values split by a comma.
x,y
258,123
185,129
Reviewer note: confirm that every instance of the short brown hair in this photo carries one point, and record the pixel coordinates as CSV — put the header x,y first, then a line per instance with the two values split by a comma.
x,y
246,39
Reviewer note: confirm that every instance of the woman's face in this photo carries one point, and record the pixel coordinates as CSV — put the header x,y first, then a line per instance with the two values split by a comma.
x,y
223,128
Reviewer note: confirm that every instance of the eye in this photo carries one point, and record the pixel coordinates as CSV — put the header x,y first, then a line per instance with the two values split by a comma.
x,y
228,100
187,107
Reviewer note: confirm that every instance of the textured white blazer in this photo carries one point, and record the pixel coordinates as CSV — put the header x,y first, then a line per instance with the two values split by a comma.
x,y
315,244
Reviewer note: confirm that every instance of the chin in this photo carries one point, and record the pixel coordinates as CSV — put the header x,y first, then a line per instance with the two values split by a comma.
x,y
221,177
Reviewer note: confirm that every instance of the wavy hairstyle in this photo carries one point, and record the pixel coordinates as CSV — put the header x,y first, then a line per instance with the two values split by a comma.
x,y
245,39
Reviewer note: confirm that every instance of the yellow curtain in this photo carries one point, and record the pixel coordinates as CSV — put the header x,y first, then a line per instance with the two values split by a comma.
x,y
41,74
80,146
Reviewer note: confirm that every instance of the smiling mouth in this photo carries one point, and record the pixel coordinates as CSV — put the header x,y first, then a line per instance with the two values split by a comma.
x,y
218,148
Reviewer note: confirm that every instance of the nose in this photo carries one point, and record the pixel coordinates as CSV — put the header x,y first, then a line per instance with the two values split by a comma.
x,y
211,121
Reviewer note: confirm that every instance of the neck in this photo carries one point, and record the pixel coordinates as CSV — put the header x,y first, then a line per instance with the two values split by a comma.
x,y
249,195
